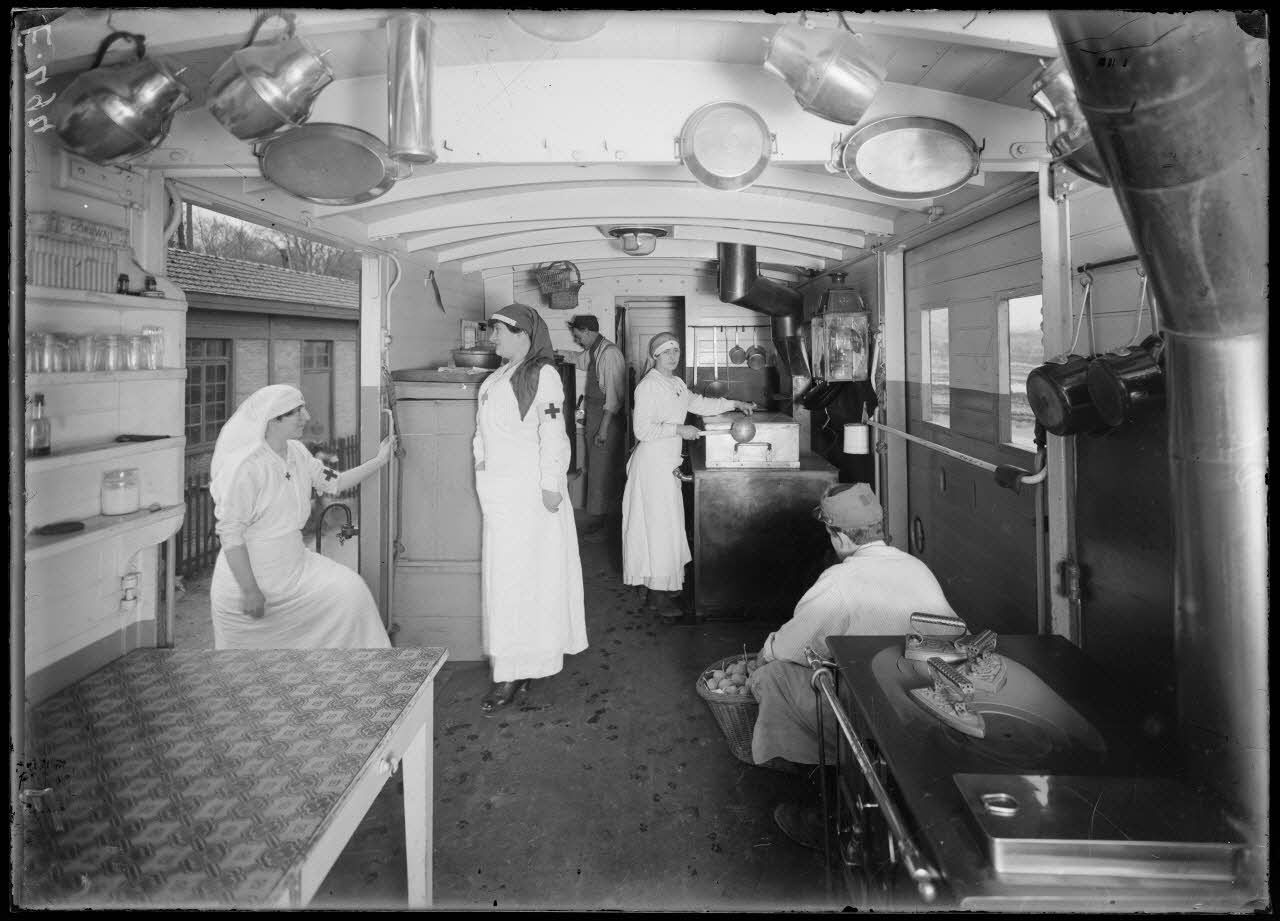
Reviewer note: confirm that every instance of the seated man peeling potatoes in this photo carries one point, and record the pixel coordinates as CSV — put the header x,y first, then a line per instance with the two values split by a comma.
x,y
872,590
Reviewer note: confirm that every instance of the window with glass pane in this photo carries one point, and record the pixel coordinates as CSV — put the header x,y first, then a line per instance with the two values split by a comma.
x,y
1024,350
317,355
935,372
207,398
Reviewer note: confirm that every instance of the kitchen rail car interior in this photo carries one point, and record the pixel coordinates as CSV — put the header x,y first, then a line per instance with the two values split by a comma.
x,y
1006,268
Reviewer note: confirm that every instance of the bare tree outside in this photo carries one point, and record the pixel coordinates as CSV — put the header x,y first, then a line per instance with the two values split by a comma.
x,y
204,231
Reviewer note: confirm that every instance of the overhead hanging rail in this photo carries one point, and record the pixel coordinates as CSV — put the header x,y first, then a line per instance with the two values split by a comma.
x,y
1106,263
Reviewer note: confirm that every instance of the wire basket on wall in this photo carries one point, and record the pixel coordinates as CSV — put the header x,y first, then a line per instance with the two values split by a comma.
x,y
560,281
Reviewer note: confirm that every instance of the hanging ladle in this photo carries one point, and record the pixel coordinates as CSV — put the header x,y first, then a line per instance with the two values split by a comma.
x,y
715,387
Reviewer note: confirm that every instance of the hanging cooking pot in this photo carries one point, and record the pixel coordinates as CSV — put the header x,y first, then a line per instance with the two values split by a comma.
x,y
262,88
737,354
109,114
329,164
830,71
1059,396
726,145
1123,383
1070,141
757,357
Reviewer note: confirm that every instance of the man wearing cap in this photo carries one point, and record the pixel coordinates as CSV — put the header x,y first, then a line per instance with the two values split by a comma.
x,y
603,404
872,590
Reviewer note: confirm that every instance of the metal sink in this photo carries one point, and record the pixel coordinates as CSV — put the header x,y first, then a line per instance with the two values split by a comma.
x,y
1028,725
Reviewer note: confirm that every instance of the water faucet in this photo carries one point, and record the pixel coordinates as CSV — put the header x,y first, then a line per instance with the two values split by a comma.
x,y
345,532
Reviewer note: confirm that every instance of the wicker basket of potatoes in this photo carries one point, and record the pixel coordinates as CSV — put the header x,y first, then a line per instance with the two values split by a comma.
x,y
723,685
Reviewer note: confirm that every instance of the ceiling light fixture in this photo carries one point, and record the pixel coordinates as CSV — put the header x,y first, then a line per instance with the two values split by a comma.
x,y
638,241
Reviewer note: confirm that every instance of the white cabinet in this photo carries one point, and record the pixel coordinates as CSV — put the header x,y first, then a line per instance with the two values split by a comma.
x,y
436,598
92,593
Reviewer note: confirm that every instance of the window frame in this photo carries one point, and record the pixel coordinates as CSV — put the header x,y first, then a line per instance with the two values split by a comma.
x,y
1004,358
199,365
927,412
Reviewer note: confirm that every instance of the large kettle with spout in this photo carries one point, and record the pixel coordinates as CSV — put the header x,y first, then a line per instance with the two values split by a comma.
x,y
113,113
263,87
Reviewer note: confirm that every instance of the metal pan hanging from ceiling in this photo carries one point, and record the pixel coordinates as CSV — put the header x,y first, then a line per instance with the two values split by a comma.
x,y
726,145
910,157
329,164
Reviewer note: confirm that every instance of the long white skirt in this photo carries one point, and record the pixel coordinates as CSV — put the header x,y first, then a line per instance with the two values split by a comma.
x,y
655,548
312,602
531,579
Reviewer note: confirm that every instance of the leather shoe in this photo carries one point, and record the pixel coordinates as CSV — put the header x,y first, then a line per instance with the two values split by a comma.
x,y
502,694
802,824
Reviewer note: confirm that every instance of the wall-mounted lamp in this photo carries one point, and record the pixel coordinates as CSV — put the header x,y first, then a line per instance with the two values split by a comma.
x,y
638,241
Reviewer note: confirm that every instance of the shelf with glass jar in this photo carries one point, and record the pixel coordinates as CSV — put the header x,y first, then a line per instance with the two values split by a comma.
x,y
110,451
100,298
36,381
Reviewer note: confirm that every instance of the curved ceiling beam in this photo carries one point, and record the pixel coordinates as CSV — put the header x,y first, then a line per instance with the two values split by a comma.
x,y
466,233
501,179
529,206
590,234
602,249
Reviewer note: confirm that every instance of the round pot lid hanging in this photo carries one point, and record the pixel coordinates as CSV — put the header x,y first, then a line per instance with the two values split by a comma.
x,y
725,145
329,164
910,157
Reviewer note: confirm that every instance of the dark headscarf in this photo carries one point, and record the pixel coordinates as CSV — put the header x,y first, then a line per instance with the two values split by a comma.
x,y
525,379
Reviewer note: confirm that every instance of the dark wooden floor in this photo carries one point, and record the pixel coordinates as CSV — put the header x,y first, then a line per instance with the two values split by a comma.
x,y
609,787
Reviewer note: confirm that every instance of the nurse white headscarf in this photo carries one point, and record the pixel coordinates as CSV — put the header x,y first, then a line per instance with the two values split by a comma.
x,y
245,431
657,345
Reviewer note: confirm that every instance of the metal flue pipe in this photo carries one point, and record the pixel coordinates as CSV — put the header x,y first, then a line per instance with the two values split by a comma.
x,y
1179,123
742,284
409,88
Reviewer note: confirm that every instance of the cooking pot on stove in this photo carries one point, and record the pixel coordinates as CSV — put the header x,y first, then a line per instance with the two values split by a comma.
x,y
263,87
108,114
476,358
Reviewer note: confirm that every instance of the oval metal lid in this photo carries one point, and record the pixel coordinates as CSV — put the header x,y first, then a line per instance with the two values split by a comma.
x,y
725,145
328,164
910,157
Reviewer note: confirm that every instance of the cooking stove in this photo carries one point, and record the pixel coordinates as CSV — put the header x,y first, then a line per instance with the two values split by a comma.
x,y
1057,739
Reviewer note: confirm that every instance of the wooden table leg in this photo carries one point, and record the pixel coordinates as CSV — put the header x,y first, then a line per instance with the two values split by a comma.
x,y
416,769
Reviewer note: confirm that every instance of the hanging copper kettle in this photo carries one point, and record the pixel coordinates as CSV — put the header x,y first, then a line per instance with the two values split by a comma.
x,y
262,88
114,113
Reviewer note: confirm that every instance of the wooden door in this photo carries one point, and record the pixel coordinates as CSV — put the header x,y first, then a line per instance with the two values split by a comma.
x,y
639,320
978,537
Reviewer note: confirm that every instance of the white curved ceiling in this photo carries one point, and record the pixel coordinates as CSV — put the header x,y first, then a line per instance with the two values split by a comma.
x,y
544,145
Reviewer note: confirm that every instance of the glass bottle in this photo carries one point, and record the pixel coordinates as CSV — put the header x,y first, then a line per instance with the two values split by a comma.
x,y
38,440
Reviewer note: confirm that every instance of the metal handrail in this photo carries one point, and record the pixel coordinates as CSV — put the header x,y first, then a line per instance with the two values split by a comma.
x,y
923,873
1022,476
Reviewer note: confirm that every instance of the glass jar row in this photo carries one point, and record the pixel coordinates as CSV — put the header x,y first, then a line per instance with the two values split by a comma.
x,y
54,352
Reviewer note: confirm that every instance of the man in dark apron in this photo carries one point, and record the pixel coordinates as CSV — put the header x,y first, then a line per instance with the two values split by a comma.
x,y
604,405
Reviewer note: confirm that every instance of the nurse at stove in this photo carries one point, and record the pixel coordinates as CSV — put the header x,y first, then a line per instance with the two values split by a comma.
x,y
531,574
655,547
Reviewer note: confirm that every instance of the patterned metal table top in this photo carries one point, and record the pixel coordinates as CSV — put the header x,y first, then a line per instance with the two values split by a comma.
x,y
200,778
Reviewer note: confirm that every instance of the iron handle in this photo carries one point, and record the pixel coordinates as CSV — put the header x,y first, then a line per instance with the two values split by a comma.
x,y
948,680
